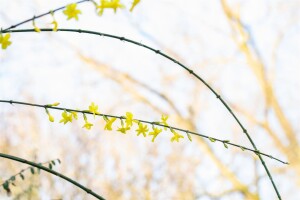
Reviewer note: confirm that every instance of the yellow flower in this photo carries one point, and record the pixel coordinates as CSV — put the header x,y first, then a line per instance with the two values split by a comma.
x,y
109,124
129,119
134,3
66,117
4,40
74,114
53,104
164,119
123,129
155,133
176,136
142,129
113,4
87,125
51,118
71,11
55,25
93,108
35,27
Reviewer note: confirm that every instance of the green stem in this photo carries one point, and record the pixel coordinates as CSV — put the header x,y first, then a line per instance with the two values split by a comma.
x,y
23,170
143,121
218,96
89,191
41,15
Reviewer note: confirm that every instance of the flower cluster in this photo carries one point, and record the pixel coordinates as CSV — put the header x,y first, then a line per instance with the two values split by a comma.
x,y
72,12
127,122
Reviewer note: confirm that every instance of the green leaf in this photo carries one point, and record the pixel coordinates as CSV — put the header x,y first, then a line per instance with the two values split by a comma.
x,y
225,145
59,161
22,176
243,149
105,118
53,162
32,170
50,166
189,136
6,186
211,139
13,178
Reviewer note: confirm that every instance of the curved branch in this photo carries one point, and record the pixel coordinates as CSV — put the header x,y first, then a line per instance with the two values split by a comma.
x,y
42,15
225,142
25,169
218,96
89,191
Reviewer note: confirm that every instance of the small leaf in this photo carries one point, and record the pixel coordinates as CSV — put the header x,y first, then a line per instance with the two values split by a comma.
x,y
105,118
13,184
22,176
50,166
53,162
6,185
59,161
243,149
32,170
225,145
211,139
189,136
13,178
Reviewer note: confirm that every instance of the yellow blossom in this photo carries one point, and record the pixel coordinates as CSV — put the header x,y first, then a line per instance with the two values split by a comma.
x,y
53,104
155,133
71,11
74,114
4,40
142,129
176,136
129,119
109,123
37,29
164,119
93,108
66,117
112,4
134,3
55,25
51,118
87,125
123,129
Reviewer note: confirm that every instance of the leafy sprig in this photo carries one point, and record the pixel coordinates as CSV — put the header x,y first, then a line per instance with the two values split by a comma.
x,y
11,180
51,171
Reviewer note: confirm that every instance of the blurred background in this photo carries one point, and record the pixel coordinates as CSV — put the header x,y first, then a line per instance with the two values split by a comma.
x,y
247,50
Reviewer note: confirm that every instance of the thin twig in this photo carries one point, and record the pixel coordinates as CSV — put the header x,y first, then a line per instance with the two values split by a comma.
x,y
25,169
41,15
143,121
89,191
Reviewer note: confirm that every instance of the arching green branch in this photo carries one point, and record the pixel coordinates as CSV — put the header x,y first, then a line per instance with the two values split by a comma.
x,y
20,173
218,96
212,139
42,15
89,191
